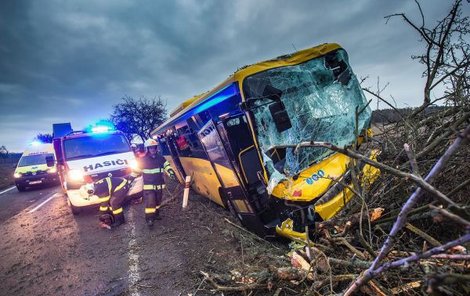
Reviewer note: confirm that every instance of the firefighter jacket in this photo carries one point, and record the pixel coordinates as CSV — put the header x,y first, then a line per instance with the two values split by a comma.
x,y
105,187
152,169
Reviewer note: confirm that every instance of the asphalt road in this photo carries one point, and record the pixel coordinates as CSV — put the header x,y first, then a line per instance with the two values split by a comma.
x,y
45,250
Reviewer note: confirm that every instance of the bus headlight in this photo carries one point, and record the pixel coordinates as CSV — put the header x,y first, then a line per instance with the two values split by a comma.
x,y
133,164
75,175
52,170
17,175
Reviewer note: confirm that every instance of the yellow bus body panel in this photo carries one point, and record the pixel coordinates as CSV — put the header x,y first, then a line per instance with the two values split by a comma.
x,y
333,167
203,176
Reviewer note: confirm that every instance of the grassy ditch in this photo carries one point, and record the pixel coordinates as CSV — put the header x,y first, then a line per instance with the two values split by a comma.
x,y
6,175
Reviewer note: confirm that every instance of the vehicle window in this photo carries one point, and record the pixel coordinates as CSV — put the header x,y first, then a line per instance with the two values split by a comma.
x,y
95,145
36,159
313,101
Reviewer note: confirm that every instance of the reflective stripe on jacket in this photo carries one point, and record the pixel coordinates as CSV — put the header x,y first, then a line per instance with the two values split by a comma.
x,y
152,170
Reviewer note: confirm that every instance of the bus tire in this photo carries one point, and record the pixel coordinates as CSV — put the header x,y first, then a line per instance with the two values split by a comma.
x,y
228,205
231,208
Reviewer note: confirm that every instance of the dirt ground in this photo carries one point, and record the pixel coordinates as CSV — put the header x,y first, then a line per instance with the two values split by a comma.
x,y
208,244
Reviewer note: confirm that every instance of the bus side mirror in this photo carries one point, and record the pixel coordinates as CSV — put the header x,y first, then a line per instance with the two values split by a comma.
x,y
280,116
50,161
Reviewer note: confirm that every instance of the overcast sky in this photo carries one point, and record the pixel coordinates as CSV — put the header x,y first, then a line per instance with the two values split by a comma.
x,y
71,61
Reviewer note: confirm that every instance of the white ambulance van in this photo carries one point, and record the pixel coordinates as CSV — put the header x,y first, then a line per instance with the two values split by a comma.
x,y
32,169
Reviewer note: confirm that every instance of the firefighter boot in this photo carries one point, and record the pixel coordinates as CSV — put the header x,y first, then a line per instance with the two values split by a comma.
x,y
118,220
106,220
157,215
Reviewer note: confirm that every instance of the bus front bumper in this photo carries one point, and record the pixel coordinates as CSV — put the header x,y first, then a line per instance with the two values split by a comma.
x,y
329,208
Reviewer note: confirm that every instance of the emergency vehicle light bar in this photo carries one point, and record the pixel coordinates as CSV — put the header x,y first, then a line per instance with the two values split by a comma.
x,y
101,129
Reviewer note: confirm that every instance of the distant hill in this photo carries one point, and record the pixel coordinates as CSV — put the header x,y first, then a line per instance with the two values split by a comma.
x,y
386,116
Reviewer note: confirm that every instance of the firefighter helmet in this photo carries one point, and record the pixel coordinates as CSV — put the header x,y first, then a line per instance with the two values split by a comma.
x,y
150,142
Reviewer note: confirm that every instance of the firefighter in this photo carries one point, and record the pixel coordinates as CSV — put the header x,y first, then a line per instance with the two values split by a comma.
x,y
152,167
111,192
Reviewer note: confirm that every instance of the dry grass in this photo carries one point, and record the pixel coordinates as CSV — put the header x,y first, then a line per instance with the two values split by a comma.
x,y
6,175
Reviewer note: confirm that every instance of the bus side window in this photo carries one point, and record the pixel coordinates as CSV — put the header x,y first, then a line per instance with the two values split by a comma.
x,y
163,146
202,118
192,137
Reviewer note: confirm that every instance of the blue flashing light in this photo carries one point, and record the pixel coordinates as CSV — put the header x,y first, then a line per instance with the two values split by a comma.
x,y
35,143
100,129
221,96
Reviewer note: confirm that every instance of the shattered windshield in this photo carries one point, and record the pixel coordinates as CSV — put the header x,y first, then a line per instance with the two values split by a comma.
x,y
313,101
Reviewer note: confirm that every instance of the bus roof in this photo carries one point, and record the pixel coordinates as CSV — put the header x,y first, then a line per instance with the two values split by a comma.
x,y
243,72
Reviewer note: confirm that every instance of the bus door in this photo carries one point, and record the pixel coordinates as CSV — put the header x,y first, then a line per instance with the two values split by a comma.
x,y
236,135
169,145
232,193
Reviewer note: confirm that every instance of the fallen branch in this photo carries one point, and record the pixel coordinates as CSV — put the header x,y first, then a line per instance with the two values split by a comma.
x,y
451,257
451,216
423,183
406,287
370,274
423,235
251,234
243,288
332,280
407,207
354,262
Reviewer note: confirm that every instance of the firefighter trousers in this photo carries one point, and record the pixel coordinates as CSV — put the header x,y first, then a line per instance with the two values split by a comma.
x,y
113,206
152,202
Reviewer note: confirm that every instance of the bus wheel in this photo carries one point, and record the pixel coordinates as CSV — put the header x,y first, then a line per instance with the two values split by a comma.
x,y
231,208
228,204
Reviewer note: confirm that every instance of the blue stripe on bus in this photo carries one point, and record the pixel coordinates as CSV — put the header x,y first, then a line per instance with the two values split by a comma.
x,y
226,93
221,96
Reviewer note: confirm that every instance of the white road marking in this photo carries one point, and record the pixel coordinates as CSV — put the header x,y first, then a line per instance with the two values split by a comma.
x,y
133,274
43,203
6,190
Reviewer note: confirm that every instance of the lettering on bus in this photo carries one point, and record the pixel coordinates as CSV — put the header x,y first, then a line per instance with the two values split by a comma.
x,y
207,131
103,164
315,177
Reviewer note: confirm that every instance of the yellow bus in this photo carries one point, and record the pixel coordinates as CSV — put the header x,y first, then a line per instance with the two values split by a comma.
x,y
231,140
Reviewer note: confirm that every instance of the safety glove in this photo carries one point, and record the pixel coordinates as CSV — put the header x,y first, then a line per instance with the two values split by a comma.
x,y
130,179
172,175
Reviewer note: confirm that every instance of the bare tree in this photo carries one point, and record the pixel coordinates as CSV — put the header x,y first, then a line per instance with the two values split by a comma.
x,y
44,138
3,152
446,55
138,117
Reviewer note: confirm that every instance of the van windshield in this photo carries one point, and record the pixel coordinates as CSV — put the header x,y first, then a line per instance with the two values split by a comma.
x,y
95,145
35,159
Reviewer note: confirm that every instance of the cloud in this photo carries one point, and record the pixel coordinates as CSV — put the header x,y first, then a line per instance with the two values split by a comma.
x,y
73,60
